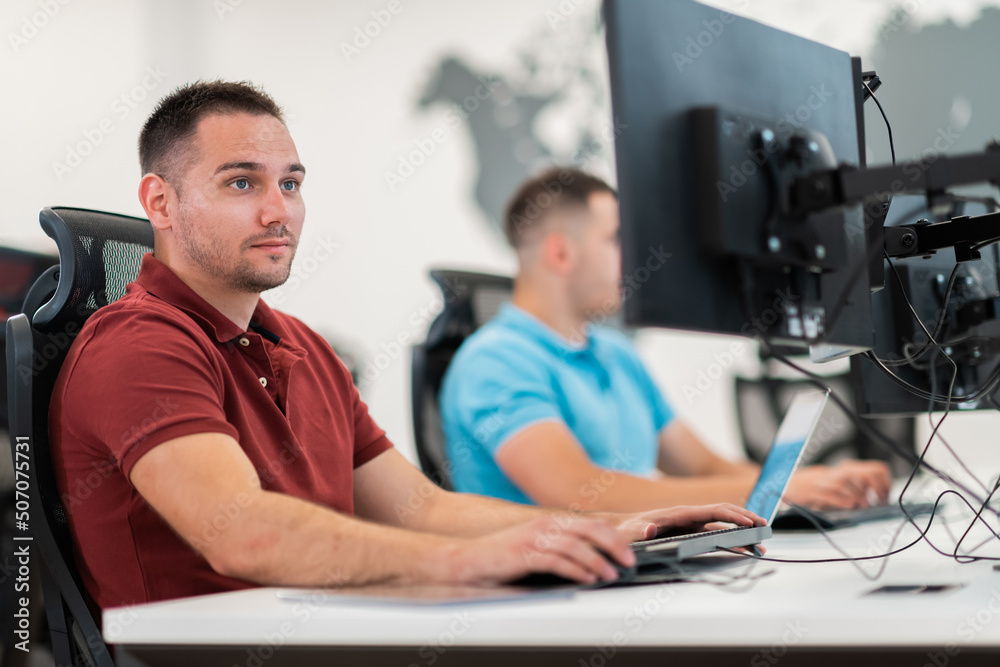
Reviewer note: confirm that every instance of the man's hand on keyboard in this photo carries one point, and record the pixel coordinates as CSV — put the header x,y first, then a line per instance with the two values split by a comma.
x,y
683,519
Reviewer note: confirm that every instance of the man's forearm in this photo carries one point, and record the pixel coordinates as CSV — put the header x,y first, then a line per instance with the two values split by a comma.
x,y
469,515
729,468
281,540
607,491
608,495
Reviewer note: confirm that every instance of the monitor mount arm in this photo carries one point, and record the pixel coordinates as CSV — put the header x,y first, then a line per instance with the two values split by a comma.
x,y
847,185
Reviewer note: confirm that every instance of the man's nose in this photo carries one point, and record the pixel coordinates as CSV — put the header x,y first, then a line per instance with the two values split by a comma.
x,y
275,206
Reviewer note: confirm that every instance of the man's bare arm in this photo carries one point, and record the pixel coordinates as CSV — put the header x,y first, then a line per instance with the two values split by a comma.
x,y
682,453
549,465
848,484
272,538
389,489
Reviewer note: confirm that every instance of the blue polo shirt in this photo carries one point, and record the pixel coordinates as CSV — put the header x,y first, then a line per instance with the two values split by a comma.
x,y
515,372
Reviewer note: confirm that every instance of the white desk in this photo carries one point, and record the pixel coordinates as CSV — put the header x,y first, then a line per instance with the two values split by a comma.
x,y
811,614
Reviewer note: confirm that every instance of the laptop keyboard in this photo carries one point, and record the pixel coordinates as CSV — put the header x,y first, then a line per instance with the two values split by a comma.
x,y
687,536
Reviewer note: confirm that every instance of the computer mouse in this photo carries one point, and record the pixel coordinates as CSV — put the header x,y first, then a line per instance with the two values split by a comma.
x,y
550,580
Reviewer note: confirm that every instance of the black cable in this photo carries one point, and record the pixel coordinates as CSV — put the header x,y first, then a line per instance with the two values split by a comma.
x,y
977,517
809,516
983,244
888,127
862,425
857,270
932,339
938,326
988,387
922,536
920,461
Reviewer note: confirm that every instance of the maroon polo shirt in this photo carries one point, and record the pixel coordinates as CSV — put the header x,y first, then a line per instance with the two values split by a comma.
x,y
161,363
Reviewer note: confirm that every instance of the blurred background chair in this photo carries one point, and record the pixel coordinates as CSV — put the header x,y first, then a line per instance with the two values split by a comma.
x,y
99,254
470,300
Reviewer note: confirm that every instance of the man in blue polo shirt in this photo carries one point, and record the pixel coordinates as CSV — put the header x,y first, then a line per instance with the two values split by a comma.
x,y
543,406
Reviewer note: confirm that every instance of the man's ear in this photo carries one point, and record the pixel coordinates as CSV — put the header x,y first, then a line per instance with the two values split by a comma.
x,y
155,197
558,252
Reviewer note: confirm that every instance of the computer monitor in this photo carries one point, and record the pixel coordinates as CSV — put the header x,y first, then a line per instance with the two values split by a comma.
x,y
968,322
716,112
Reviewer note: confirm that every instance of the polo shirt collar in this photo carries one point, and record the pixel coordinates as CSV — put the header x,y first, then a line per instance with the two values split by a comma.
x,y
516,318
159,280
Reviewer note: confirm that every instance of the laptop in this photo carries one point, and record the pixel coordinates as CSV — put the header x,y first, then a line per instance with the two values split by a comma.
x,y
783,458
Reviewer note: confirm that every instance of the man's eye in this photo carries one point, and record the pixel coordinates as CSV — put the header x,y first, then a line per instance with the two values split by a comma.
x,y
290,185
241,184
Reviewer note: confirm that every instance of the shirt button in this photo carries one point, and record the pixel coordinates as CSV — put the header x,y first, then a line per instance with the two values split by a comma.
x,y
263,382
244,342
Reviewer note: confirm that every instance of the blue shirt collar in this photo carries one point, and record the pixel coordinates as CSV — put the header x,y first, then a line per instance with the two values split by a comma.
x,y
522,321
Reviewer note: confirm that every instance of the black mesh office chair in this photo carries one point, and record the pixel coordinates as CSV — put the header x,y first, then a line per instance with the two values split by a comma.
x,y
470,300
18,271
762,402
99,254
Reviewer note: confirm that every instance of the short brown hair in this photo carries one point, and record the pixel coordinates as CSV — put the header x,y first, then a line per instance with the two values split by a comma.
x,y
557,188
175,118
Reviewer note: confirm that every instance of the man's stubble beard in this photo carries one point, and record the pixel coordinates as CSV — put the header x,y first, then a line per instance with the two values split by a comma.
x,y
213,256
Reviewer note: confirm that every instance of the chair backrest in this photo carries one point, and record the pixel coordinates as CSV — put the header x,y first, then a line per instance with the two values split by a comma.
x,y
19,269
470,300
99,254
762,402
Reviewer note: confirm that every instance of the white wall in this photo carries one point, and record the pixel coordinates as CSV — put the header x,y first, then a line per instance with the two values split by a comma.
x,y
91,62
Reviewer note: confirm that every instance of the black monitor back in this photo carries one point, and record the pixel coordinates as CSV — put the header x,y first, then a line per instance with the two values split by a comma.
x,y
670,58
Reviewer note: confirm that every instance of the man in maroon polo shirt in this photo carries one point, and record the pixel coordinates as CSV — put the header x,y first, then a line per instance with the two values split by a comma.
x,y
205,442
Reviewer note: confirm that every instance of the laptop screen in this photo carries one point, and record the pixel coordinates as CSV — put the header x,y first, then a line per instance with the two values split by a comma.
x,y
795,431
